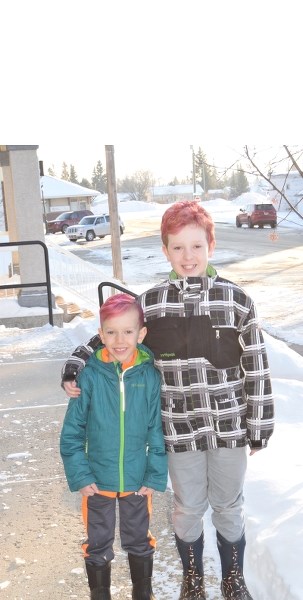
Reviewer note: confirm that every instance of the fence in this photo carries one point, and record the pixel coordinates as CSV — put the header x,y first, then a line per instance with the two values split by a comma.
x,y
75,274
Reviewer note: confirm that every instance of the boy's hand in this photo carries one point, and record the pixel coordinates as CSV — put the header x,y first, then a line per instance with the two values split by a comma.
x,y
89,490
71,389
145,491
254,450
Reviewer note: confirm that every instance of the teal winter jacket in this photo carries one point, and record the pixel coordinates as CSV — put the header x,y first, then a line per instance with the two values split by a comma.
x,y
112,433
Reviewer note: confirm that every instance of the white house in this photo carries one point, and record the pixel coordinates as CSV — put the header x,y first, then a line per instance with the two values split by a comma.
x,y
58,195
291,185
165,194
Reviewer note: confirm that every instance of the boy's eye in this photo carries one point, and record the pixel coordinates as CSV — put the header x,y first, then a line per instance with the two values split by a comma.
x,y
195,247
112,332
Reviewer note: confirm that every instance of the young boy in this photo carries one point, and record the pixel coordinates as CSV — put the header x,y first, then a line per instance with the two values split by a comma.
x,y
216,394
112,447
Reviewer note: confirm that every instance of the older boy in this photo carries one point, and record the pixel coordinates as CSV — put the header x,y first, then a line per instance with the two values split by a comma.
x,y
216,394
112,447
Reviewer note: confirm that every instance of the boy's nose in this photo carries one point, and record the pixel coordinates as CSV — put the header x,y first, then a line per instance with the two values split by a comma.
x,y
119,337
187,253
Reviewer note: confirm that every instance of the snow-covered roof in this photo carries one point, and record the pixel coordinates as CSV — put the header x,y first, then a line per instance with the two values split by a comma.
x,y
288,174
53,187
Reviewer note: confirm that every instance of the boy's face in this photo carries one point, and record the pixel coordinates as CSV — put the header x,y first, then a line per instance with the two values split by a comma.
x,y
121,334
188,251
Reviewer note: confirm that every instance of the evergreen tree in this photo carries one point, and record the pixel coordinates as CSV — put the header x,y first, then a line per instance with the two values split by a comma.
x,y
233,185
238,183
99,180
175,181
51,171
73,175
65,173
242,182
213,183
203,172
85,183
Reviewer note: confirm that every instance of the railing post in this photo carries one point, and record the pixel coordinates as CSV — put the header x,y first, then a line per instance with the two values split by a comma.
x,y
46,283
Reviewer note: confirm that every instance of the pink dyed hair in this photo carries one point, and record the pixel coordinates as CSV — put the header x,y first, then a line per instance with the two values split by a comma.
x,y
118,305
187,212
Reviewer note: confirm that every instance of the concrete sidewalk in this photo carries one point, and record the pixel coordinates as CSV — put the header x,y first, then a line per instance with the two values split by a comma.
x,y
41,525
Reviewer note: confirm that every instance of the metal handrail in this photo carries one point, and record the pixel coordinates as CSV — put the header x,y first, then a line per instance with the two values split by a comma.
x,y
46,283
116,287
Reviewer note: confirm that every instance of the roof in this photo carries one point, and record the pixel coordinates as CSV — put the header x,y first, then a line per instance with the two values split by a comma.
x,y
52,187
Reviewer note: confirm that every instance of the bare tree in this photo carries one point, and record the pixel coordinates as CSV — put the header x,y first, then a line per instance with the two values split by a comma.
x,y
137,185
294,166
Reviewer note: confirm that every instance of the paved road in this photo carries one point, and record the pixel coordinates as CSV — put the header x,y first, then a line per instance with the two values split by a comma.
x,y
270,260
244,242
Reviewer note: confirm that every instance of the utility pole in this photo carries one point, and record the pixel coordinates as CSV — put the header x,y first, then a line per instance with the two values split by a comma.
x,y
194,170
113,213
204,189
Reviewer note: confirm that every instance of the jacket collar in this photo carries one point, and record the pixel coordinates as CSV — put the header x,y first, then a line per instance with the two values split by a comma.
x,y
194,284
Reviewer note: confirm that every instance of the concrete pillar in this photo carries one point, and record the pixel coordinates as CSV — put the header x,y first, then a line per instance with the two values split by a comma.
x,y
21,179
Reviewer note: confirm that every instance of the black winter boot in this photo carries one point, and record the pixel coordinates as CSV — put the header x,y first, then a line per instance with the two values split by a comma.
x,y
99,581
141,570
192,587
233,586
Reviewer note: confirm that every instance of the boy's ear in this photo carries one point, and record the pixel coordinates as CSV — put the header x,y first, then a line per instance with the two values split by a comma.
x,y
165,251
211,248
100,334
142,334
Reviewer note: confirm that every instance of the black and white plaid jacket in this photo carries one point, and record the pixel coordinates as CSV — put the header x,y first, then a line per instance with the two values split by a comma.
x,y
216,389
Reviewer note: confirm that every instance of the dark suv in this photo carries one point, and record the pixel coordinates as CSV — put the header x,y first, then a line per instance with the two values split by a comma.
x,y
257,214
63,221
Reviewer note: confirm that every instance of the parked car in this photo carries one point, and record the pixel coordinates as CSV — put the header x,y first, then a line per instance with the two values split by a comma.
x,y
257,214
91,227
65,219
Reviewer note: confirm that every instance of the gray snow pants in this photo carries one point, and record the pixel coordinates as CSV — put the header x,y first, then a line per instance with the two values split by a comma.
x,y
214,477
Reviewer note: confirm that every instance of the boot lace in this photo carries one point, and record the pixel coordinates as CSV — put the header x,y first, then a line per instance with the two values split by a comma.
x,y
233,587
193,583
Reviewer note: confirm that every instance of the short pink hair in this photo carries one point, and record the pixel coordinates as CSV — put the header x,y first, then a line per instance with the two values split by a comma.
x,y
118,305
187,212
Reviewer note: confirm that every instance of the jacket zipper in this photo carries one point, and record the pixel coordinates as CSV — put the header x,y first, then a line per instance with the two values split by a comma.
x,y
122,411
122,424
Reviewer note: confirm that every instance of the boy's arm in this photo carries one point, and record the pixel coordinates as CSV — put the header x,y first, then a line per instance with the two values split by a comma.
x,y
77,360
73,441
156,469
257,384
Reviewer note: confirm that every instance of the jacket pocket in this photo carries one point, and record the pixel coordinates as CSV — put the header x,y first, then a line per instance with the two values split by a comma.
x,y
229,413
225,348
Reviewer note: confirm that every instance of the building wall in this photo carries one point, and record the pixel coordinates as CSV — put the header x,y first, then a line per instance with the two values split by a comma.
x,y
63,204
291,188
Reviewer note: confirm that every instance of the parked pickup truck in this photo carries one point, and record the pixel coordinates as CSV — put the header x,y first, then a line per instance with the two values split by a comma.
x,y
91,227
